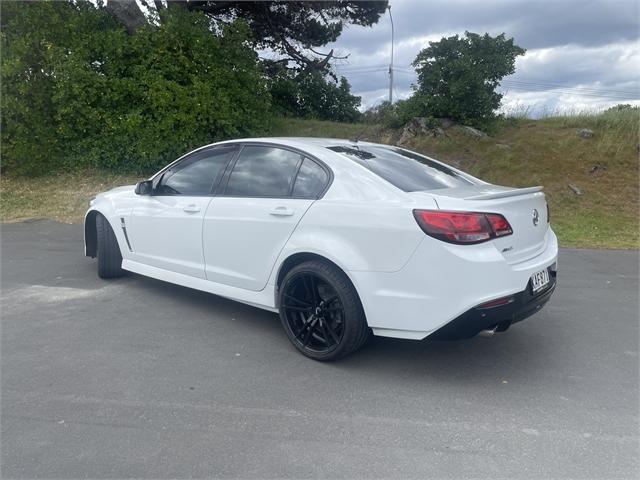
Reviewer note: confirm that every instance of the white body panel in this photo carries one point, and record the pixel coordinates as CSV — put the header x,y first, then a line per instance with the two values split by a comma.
x,y
242,237
166,232
410,284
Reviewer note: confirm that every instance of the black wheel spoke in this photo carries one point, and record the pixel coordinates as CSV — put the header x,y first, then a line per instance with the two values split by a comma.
x,y
312,324
315,324
314,289
301,302
308,289
332,309
331,331
326,334
304,328
330,300
294,307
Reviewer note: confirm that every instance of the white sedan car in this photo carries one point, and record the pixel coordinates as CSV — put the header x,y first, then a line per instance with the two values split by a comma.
x,y
341,238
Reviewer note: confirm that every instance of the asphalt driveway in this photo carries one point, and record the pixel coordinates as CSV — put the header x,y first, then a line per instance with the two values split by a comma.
x,y
139,378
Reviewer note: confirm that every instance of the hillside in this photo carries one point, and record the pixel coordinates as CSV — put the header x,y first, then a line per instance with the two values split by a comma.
x,y
546,152
520,153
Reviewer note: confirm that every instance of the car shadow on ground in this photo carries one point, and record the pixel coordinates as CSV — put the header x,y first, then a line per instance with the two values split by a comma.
x,y
520,352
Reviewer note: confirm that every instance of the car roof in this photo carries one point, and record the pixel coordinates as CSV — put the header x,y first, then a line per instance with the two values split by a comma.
x,y
305,141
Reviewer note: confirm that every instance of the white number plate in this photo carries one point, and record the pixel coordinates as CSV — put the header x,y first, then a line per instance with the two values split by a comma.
x,y
539,280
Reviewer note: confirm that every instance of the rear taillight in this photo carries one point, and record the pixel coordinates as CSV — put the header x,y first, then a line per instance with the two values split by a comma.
x,y
462,227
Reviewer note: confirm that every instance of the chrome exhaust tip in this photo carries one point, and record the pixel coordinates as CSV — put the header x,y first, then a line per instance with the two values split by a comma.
x,y
488,333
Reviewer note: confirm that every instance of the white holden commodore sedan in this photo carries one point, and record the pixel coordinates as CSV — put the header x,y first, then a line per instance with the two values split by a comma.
x,y
341,238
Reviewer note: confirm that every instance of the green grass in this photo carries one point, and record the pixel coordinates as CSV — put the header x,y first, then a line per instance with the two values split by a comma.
x,y
520,153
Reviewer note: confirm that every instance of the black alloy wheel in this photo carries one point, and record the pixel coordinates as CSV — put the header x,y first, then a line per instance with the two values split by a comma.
x,y
321,312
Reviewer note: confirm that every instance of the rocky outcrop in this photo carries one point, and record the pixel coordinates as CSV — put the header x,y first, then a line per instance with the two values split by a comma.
x,y
420,126
474,132
585,133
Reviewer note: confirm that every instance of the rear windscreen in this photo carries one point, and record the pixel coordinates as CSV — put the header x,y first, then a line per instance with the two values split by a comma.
x,y
406,170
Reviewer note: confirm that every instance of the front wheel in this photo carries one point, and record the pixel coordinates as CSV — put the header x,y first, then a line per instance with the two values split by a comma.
x,y
321,312
109,256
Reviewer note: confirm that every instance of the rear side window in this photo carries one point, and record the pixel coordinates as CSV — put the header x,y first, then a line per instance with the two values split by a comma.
x,y
310,181
263,172
408,171
196,174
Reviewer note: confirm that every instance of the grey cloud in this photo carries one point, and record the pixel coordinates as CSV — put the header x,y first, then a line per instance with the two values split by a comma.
x,y
533,24
572,43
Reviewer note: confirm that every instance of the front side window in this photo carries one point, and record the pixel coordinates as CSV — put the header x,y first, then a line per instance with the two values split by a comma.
x,y
196,174
263,172
406,170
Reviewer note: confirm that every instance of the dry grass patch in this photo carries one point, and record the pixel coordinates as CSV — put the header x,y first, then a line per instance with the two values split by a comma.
x,y
64,198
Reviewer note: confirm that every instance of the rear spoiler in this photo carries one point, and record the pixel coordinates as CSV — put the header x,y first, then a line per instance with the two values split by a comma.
x,y
516,192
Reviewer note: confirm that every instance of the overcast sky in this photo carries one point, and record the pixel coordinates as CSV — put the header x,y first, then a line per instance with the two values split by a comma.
x,y
581,54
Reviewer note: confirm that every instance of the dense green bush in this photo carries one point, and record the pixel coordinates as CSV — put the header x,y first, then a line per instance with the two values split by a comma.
x,y
314,96
396,115
79,92
458,77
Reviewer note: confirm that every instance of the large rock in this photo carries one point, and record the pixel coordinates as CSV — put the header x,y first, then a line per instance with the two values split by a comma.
x,y
417,127
446,122
474,132
585,133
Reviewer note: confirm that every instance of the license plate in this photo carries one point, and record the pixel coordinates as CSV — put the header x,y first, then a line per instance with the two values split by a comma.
x,y
539,280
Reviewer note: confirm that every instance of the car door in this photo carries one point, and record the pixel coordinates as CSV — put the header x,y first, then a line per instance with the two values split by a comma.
x,y
165,228
262,199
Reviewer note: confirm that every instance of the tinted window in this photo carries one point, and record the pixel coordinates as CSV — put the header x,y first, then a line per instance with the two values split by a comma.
x,y
196,174
310,181
408,171
263,172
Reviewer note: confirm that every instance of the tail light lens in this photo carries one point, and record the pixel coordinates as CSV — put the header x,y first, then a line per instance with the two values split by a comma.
x,y
462,227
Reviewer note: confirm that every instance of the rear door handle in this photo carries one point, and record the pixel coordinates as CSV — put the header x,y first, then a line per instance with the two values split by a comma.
x,y
191,209
281,212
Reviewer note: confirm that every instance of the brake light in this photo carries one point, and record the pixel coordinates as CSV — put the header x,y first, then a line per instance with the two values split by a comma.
x,y
462,227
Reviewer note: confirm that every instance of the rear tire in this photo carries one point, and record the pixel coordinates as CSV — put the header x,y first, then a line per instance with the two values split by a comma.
x,y
321,312
109,256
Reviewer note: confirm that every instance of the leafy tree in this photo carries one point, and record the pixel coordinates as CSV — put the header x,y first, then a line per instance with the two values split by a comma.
x,y
313,95
78,91
293,30
458,76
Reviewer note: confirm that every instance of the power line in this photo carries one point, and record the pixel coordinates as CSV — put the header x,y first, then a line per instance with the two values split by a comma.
x,y
352,67
522,85
555,85
565,91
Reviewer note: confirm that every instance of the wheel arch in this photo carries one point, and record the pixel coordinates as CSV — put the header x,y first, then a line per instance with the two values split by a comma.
x,y
91,234
300,257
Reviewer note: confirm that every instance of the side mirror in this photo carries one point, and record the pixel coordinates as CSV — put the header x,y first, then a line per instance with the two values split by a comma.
x,y
144,188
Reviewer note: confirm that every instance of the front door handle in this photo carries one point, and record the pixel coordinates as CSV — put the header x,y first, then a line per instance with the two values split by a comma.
x,y
281,212
191,209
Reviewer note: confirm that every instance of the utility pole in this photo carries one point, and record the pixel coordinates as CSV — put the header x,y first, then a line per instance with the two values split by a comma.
x,y
391,64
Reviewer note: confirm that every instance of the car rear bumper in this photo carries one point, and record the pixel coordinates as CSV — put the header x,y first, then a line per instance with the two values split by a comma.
x,y
498,318
443,283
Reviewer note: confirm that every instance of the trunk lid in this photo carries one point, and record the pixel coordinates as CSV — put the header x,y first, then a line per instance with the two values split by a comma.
x,y
524,208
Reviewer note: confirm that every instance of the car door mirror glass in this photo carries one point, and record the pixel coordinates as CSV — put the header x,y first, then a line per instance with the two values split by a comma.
x,y
144,188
